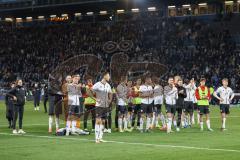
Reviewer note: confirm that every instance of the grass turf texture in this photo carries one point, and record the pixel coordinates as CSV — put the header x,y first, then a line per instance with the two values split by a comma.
x,y
188,144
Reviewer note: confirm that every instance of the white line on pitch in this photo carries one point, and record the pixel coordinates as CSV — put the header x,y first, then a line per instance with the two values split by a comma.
x,y
130,143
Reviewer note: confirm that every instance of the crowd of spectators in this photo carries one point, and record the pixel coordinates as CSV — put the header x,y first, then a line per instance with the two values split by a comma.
x,y
189,48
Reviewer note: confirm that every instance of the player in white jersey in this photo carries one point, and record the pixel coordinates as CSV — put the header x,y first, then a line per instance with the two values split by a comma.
x,y
146,93
188,103
225,95
157,108
122,102
74,111
103,96
171,95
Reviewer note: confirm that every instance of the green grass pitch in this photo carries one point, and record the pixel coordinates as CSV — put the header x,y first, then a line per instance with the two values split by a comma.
x,y
188,144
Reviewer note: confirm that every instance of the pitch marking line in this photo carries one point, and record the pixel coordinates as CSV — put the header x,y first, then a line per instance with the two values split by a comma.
x,y
130,143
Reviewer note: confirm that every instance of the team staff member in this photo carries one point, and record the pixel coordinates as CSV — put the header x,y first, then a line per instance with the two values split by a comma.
x,y
225,95
171,95
18,93
45,96
36,95
9,107
103,93
89,104
203,97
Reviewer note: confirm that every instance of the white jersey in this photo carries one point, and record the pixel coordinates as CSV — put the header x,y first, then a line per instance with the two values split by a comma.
x,y
102,90
171,95
74,93
225,94
122,92
158,94
146,90
190,90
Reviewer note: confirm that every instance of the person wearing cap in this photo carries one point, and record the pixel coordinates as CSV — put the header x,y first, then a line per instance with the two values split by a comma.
x,y
203,96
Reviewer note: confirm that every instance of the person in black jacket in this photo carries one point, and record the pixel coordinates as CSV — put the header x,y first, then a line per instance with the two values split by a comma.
x,y
9,108
36,95
18,93
180,102
45,97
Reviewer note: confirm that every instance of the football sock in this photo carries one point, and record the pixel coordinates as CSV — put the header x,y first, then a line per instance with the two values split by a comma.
x,y
141,123
97,131
224,123
201,125
57,123
169,124
50,122
208,123
163,119
101,131
125,122
120,123
175,123
148,123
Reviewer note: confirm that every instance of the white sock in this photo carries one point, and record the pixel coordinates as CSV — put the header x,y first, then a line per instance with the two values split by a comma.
x,y
201,125
208,124
198,118
129,119
68,126
193,120
125,123
156,121
148,123
101,131
169,124
50,122
141,123
163,120
120,123
97,131
224,123
153,119
175,123
57,123
74,124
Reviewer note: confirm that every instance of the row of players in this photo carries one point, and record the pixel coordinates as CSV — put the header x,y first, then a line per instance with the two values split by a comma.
x,y
143,102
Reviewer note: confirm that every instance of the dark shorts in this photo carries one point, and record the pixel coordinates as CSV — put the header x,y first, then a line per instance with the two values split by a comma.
x,y
122,109
146,108
136,108
102,112
170,108
188,107
157,108
75,110
204,110
224,108
130,108
195,107
55,105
